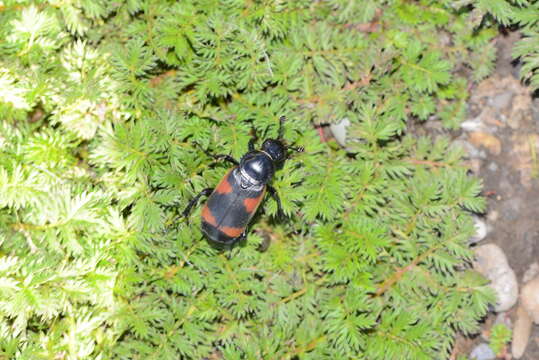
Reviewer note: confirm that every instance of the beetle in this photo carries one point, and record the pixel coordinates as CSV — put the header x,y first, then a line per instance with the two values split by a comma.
x,y
235,200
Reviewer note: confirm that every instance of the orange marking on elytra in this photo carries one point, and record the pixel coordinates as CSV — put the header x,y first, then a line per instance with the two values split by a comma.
x,y
252,203
224,186
207,216
231,231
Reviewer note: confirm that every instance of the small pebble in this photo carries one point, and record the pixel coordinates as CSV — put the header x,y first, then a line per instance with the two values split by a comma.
x,y
492,263
482,352
486,140
493,166
472,124
493,216
480,230
339,131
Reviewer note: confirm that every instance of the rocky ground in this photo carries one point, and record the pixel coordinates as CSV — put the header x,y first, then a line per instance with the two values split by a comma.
x,y
501,134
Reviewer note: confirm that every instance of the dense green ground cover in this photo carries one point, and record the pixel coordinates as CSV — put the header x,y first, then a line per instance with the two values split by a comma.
x,y
101,103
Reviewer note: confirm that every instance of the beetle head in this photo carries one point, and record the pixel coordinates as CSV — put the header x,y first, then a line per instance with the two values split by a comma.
x,y
275,149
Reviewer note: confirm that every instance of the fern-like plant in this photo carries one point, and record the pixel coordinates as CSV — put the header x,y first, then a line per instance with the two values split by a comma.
x,y
101,105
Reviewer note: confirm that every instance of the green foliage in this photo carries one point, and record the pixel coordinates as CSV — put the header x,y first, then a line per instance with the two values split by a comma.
x,y
500,336
101,105
522,13
527,48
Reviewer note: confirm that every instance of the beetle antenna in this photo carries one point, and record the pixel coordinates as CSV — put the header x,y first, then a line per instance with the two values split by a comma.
x,y
281,128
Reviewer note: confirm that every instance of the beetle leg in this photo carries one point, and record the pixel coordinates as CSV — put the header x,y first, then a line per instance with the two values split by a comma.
x,y
193,202
225,157
275,196
231,246
243,236
252,143
297,149
252,140
218,156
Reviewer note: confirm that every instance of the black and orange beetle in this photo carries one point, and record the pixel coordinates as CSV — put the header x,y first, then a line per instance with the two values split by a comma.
x,y
233,203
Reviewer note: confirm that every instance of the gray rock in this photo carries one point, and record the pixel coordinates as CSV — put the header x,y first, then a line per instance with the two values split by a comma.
x,y
474,124
482,352
492,263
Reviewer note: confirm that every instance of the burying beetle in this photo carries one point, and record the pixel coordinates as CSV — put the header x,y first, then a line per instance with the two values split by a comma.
x,y
233,203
